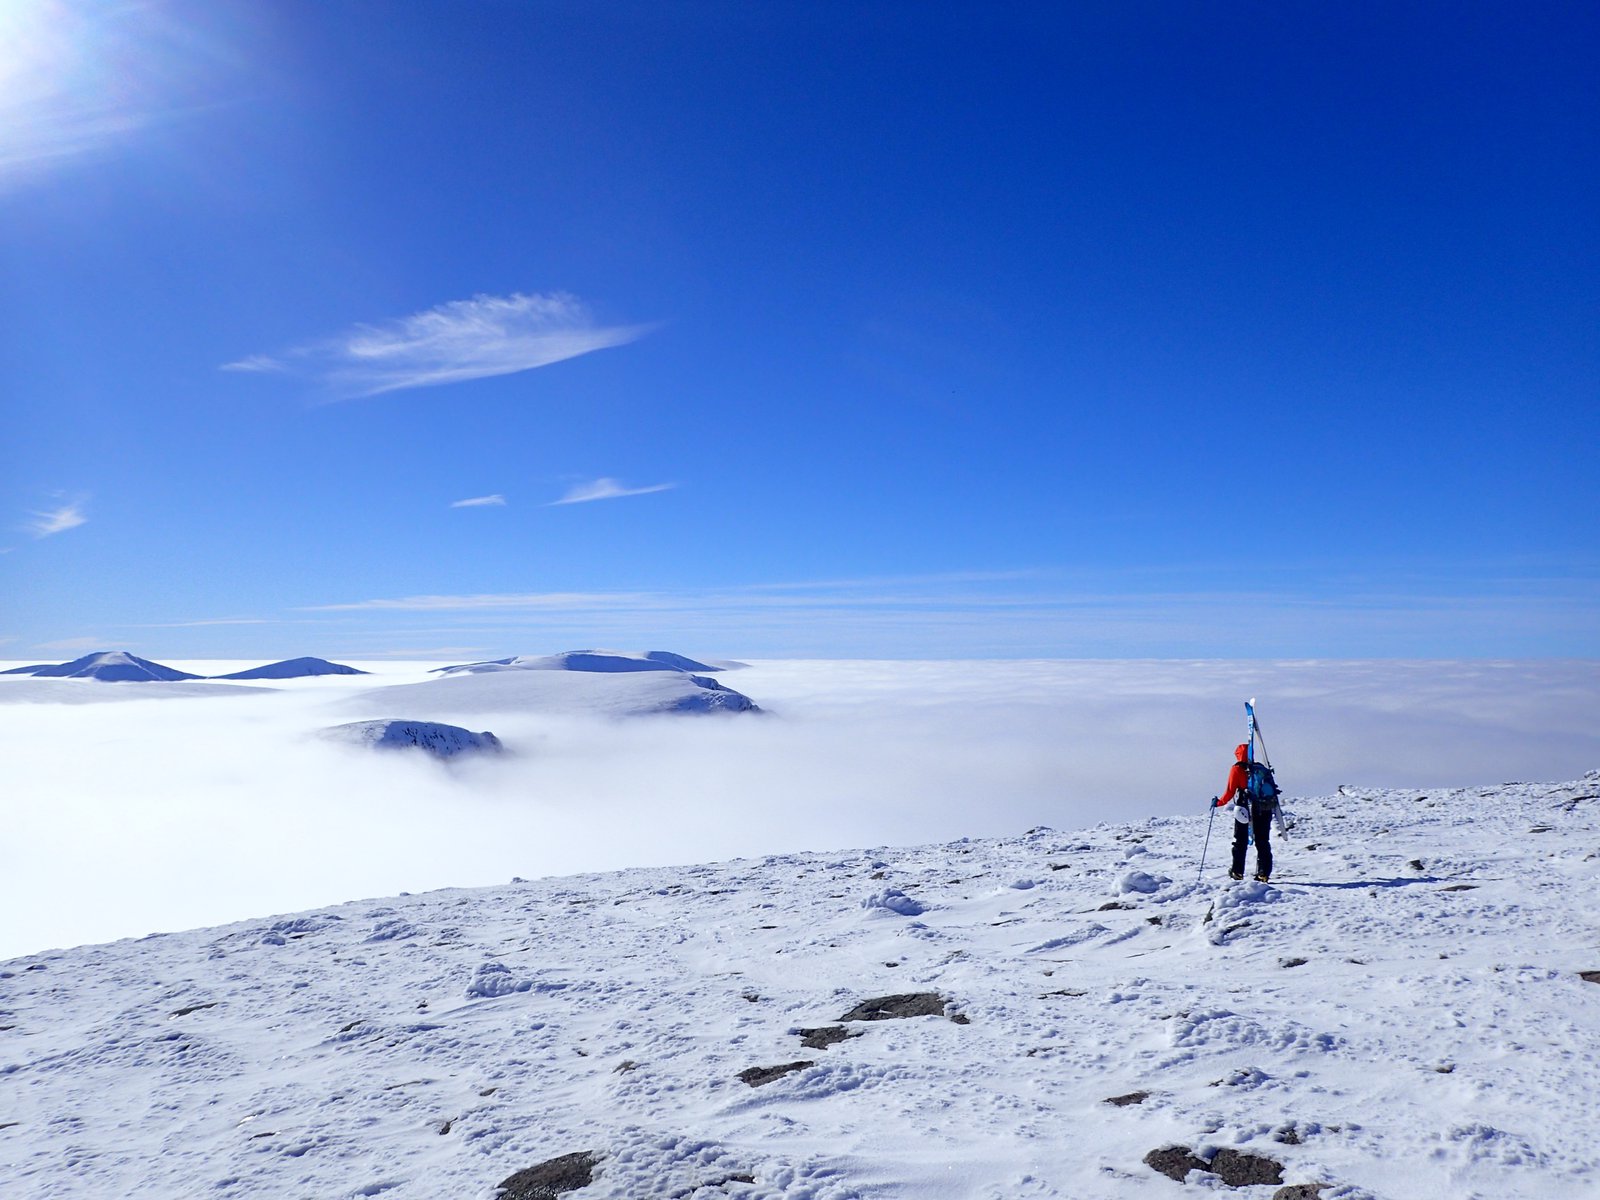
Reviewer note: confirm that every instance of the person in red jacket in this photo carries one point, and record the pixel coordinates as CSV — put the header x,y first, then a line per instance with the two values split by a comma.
x,y
1246,822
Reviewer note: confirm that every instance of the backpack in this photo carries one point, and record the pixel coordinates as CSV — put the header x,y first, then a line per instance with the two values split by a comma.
x,y
1261,788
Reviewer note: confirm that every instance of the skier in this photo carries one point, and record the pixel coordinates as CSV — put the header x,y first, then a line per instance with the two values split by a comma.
x,y
1248,817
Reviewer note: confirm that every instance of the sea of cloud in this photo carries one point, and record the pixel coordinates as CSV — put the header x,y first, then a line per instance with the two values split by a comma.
x,y
132,817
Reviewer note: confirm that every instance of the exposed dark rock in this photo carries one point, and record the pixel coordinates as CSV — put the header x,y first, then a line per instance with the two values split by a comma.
x,y
1292,962
1589,976
550,1178
1063,992
1244,1170
1234,1168
1458,887
1415,864
1130,1098
1175,1162
828,1035
623,1067
1288,1136
1112,906
1299,1191
194,1008
905,1004
756,1076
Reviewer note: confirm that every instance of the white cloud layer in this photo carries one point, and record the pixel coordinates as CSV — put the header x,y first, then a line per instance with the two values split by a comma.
x,y
494,501
607,489
453,342
160,815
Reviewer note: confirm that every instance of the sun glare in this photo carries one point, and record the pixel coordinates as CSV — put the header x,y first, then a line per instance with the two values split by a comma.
x,y
78,76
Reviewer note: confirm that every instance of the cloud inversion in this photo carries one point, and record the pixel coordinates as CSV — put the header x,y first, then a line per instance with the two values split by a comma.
x,y
453,342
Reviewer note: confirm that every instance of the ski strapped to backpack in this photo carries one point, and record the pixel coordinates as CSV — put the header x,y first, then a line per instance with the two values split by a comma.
x,y
1261,786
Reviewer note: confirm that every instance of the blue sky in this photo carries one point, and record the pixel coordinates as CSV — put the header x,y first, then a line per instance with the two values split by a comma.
x,y
1133,329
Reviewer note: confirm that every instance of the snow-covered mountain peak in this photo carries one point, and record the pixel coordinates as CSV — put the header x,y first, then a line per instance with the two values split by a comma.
x,y
598,661
293,668
115,666
538,686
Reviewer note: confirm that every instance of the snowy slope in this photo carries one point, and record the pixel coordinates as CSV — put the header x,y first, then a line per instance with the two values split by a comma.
x,y
1401,1014
557,692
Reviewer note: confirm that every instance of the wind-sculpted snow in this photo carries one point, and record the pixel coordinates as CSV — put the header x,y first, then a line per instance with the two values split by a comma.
x,y
1403,1012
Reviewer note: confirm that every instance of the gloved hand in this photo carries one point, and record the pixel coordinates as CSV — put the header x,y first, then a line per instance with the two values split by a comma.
x,y
1216,803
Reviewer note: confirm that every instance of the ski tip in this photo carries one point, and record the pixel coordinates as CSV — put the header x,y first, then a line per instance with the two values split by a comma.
x,y
1250,703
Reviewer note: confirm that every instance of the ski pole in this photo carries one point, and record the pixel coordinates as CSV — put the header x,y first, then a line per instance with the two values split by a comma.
x,y
1209,820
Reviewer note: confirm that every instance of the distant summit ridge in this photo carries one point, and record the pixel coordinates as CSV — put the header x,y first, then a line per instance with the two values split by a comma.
x,y
600,661
294,668
110,666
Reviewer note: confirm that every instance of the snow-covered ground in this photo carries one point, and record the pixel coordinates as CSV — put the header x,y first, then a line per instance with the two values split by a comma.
x,y
1400,1014
197,802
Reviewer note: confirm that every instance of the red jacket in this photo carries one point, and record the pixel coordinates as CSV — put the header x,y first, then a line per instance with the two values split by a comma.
x,y
1238,776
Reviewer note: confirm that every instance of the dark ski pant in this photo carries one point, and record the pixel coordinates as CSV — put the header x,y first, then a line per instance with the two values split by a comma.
x,y
1262,821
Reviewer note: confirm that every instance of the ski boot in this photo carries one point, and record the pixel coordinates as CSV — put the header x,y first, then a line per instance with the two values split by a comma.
x,y
1263,878
1235,874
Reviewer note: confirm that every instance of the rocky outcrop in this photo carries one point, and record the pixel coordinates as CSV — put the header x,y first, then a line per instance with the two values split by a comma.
x,y
441,741
549,1179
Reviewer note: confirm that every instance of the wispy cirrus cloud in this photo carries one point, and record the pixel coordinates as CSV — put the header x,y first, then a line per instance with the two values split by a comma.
x,y
450,343
606,489
43,523
72,644
488,601
1042,613
202,624
494,501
